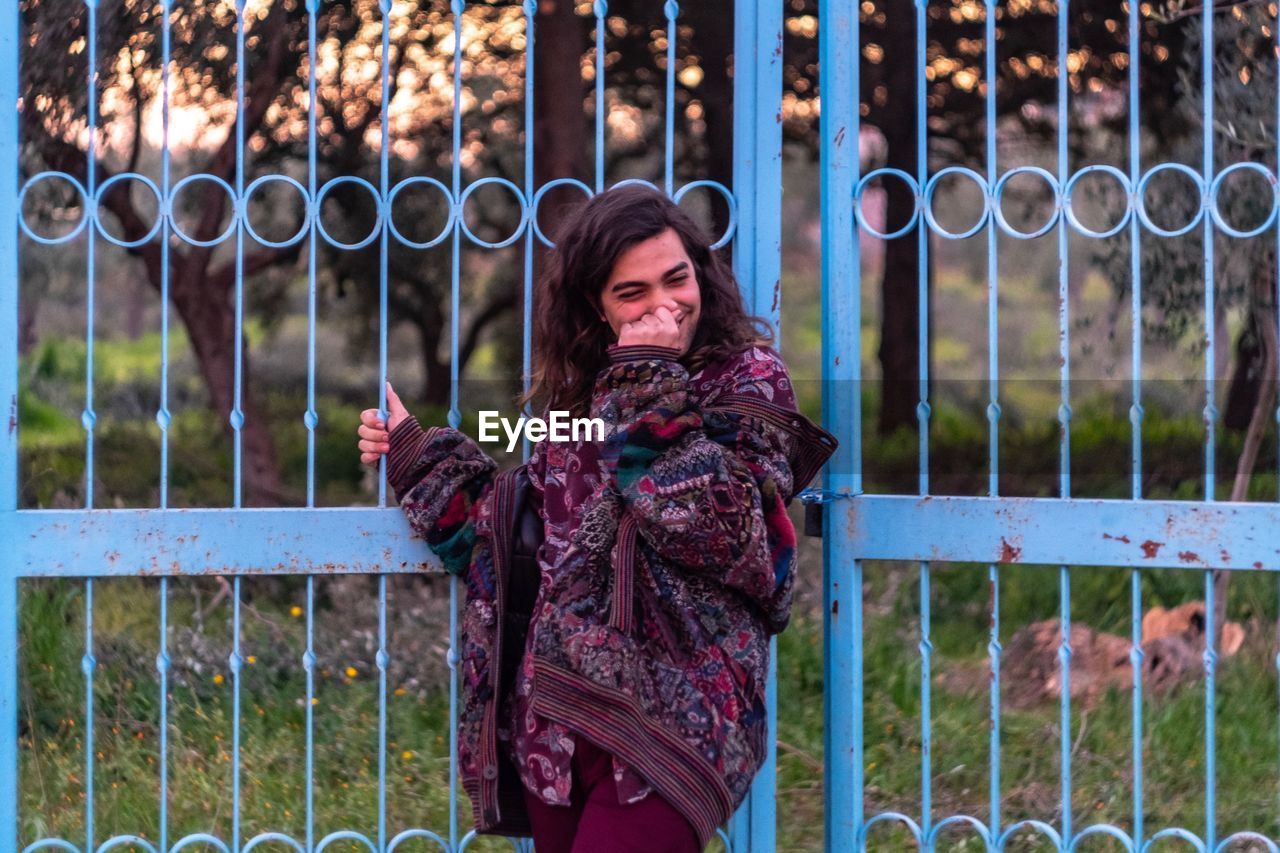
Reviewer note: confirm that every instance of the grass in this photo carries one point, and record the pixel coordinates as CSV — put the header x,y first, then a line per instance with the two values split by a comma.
x,y
201,750
273,771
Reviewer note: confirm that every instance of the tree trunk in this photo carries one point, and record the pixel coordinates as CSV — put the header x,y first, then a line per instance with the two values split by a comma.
x,y
1246,378
210,322
560,127
1261,319
137,297
26,326
899,295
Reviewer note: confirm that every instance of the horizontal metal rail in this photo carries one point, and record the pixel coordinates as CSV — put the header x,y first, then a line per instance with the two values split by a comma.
x,y
1070,532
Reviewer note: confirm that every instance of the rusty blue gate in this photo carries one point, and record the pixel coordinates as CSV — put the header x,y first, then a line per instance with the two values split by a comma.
x,y
929,530
92,543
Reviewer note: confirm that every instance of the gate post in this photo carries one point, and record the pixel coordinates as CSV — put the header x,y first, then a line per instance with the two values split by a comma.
x,y
757,263
9,37
838,48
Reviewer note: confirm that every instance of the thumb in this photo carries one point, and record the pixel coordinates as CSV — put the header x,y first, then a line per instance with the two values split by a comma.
x,y
393,400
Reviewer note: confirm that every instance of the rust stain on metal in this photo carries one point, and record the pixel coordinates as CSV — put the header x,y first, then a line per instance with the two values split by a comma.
x,y
1120,538
1224,556
13,414
1009,553
1150,549
1189,557
991,604
835,608
777,293
1257,564
839,140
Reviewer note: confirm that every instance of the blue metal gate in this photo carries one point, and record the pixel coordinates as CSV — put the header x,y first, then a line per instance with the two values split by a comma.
x,y
93,543
1002,532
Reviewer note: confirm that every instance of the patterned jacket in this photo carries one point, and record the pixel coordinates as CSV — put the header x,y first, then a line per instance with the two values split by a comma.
x,y
669,562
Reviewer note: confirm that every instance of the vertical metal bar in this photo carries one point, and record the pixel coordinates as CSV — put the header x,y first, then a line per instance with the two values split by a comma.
x,y
88,418
1064,421
455,309
10,30
993,736
757,166
842,412
162,413
385,224
923,408
601,9
1064,705
455,417
9,598
744,123
234,661
311,417
237,412
162,670
1210,419
993,423
309,666
87,665
1136,654
530,246
744,255
382,659
1277,295
922,236
757,182
926,707
671,9
452,659
1210,740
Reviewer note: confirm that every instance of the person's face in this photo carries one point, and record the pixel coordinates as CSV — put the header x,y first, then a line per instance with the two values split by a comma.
x,y
650,274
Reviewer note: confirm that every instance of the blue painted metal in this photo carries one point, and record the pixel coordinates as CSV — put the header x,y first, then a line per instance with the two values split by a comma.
x,y
1136,413
842,413
1074,532
994,648
10,208
757,261
1135,534
1210,421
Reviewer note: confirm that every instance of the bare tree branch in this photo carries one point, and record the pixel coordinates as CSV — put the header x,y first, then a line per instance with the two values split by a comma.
x,y
497,306
64,156
262,92
137,117
1192,11
224,276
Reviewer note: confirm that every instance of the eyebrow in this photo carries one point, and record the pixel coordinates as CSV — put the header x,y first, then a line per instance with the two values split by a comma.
x,y
678,268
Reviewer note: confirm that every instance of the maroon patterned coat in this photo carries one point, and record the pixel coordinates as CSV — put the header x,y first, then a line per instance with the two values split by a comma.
x,y
668,563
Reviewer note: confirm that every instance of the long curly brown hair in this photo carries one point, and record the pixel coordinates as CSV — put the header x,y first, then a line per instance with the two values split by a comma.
x,y
570,341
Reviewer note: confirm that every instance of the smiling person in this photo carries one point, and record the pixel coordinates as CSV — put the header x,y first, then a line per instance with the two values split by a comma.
x,y
635,719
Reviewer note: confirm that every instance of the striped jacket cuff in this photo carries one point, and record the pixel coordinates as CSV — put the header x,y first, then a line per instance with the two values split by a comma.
x,y
408,440
619,353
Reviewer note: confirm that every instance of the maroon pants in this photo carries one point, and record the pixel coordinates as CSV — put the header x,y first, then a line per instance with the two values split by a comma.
x,y
595,821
